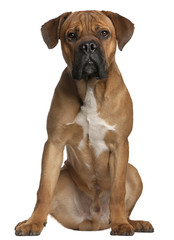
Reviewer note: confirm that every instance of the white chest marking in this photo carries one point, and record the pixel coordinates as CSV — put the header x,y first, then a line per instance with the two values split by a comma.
x,y
92,124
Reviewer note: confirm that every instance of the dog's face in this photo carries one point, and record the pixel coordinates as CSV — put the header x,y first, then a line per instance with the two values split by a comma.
x,y
88,40
88,44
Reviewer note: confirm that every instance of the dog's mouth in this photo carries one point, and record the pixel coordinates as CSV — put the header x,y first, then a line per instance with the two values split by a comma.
x,y
90,69
89,64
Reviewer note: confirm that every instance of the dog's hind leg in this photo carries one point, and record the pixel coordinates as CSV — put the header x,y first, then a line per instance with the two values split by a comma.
x,y
65,204
74,209
70,206
133,191
134,188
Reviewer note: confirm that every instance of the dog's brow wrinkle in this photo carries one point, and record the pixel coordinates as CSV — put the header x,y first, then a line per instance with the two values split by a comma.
x,y
88,22
82,19
93,21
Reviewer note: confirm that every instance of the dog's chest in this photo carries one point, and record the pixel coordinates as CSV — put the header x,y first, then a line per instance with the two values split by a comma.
x,y
94,127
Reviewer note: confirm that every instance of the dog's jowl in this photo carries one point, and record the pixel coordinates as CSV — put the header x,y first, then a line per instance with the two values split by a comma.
x,y
91,114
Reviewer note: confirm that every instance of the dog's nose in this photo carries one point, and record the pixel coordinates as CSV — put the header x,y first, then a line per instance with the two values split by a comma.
x,y
88,47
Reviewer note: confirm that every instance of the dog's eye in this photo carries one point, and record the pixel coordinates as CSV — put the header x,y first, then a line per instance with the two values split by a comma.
x,y
72,36
104,34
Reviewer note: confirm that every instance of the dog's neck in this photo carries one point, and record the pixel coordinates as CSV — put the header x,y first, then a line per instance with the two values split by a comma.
x,y
101,87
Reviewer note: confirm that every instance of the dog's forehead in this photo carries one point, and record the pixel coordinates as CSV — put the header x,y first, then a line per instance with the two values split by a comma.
x,y
88,20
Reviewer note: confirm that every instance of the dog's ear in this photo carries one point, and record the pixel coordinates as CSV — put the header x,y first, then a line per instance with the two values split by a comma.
x,y
51,30
124,28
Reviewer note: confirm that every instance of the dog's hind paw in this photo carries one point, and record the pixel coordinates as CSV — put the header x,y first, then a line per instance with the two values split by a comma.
x,y
142,226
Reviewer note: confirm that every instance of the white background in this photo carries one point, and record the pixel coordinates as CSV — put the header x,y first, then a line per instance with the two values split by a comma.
x,y
29,73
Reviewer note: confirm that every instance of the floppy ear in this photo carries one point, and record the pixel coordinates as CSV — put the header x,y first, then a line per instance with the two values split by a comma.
x,y
51,30
124,28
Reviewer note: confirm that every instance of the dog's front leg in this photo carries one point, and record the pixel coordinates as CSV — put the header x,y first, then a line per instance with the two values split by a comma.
x,y
51,164
118,170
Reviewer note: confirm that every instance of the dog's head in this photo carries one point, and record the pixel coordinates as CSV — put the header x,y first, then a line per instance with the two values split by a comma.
x,y
88,40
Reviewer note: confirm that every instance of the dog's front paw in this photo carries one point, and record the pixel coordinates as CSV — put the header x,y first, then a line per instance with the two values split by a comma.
x,y
29,228
122,229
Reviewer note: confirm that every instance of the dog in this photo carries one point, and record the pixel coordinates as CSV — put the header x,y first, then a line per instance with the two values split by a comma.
x,y
92,115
